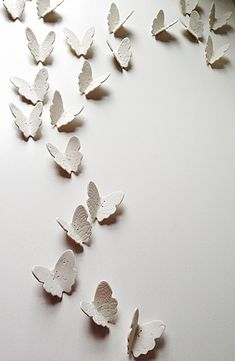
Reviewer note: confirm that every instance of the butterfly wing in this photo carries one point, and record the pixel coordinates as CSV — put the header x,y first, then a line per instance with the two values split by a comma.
x,y
56,108
219,53
41,85
24,89
73,156
20,120
73,41
58,156
35,121
93,201
97,82
47,46
195,25
113,18
65,271
33,44
158,23
45,7
43,275
133,331
81,228
15,9
87,40
109,205
123,54
187,6
85,77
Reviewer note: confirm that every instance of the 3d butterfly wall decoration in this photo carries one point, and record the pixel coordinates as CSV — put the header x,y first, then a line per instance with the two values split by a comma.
x,y
195,26
86,82
45,7
159,26
40,52
187,6
214,55
114,20
123,53
217,23
80,48
15,8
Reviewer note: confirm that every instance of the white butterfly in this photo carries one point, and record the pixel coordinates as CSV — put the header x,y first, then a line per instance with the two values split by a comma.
x,y
114,21
102,208
195,27
103,309
15,8
61,278
187,6
71,159
45,7
60,117
80,229
141,338
86,83
80,48
123,53
28,126
43,51
159,23
217,23
36,92
213,55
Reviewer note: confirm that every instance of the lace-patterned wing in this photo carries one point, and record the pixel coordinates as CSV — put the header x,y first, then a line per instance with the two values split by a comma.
x,y
109,205
73,41
113,18
196,25
41,85
123,54
87,41
85,77
93,201
24,89
81,226
56,108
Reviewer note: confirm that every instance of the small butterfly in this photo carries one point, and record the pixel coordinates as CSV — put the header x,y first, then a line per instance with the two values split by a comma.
x,y
159,26
71,159
114,21
60,117
217,23
187,6
28,125
86,83
101,208
213,55
103,309
80,229
43,51
195,27
141,338
123,53
36,92
15,8
45,7
80,48
61,278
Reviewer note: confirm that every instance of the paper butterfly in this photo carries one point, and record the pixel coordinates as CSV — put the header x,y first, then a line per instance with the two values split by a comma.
x,y
123,53
213,55
80,229
60,117
28,126
102,208
195,27
36,92
103,309
159,23
86,83
45,7
114,21
187,6
80,48
71,159
217,23
43,51
141,338
61,278
15,8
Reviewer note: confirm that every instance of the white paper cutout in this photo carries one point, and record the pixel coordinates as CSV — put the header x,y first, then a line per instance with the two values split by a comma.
x,y
213,55
85,80
61,278
15,8
159,26
141,338
217,23
71,159
43,51
60,117
80,48
101,208
114,21
36,92
45,7
28,126
80,229
103,309
195,27
187,6
123,53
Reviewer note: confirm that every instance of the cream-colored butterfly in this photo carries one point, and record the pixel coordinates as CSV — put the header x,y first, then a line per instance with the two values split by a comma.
x,y
123,53
187,6
80,229
214,55
29,126
43,51
35,92
195,26
71,159
101,208
159,26
80,48
103,309
15,8
60,117
61,278
45,7
217,23
114,20
141,338
86,82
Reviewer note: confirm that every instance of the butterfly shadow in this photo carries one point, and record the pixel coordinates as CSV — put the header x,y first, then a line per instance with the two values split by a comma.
x,y
52,18
123,32
8,16
224,30
72,126
166,37
152,355
191,38
98,93
221,63
97,331
77,248
114,218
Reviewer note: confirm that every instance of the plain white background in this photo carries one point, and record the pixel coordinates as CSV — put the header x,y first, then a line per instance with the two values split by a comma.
x,y
164,133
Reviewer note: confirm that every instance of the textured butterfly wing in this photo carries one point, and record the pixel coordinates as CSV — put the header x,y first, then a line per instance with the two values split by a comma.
x,y
109,205
214,55
25,89
47,46
217,23
195,25
33,44
87,41
187,6
85,77
113,18
28,126
93,201
41,85
133,331
96,83
81,227
72,154
123,54
73,41
45,7
15,8
34,121
57,108
65,271
158,23
46,277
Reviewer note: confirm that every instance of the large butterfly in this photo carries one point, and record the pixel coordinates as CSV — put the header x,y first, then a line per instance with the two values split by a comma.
x,y
15,8
42,51
80,48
